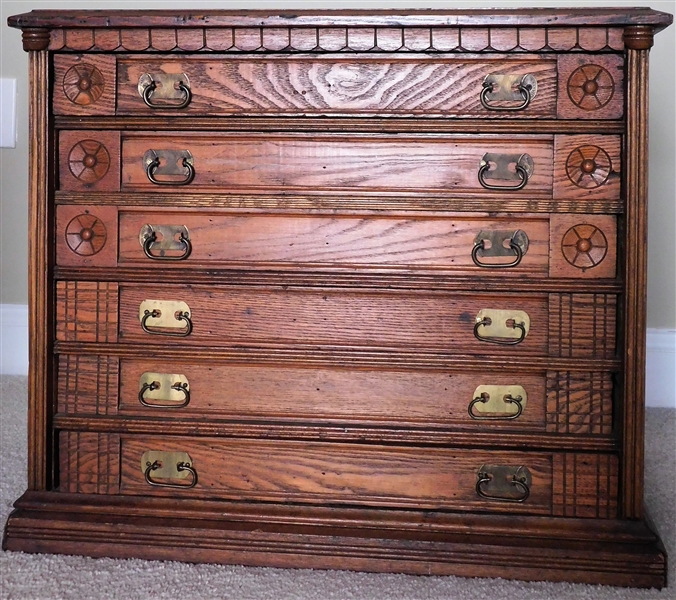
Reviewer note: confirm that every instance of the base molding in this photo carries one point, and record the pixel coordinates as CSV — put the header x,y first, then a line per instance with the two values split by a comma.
x,y
610,552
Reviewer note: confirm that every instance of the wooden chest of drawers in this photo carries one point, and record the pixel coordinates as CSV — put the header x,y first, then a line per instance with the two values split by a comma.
x,y
341,290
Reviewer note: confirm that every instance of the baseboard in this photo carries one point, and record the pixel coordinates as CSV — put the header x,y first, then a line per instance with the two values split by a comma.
x,y
660,371
13,339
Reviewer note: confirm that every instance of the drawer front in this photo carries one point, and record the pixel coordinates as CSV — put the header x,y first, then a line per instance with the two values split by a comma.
x,y
322,473
535,324
577,402
565,86
562,166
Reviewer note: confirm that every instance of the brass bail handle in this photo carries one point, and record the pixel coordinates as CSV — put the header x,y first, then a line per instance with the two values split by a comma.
x,y
507,399
523,87
503,342
521,173
153,385
152,238
149,90
480,246
179,316
181,466
153,165
519,481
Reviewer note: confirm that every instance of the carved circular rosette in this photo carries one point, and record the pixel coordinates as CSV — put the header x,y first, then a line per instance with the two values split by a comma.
x,y
83,84
590,87
584,246
588,167
86,234
89,161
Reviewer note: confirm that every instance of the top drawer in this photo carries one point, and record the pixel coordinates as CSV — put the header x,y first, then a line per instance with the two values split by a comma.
x,y
569,87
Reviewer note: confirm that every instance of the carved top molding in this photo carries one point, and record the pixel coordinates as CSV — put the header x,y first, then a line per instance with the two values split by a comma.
x,y
525,30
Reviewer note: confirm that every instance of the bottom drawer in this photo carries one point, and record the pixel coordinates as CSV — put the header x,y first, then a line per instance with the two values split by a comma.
x,y
569,484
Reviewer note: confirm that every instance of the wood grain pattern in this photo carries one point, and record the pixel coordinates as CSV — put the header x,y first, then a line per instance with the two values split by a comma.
x,y
307,242
585,485
579,402
570,178
89,463
86,311
88,384
334,318
308,472
264,392
89,161
352,85
322,163
582,325
84,84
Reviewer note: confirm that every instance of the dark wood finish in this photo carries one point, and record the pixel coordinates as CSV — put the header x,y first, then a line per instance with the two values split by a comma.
x,y
333,296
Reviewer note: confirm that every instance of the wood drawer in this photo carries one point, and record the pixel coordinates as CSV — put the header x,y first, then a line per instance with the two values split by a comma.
x,y
548,245
568,325
561,166
576,484
578,402
354,85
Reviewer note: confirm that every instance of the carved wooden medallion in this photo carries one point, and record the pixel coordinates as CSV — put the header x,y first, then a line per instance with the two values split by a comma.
x,y
89,161
588,166
590,87
86,234
584,246
83,84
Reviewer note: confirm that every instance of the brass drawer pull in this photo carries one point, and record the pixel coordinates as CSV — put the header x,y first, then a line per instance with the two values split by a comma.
x,y
165,86
504,327
167,315
172,390
499,400
172,238
506,484
168,465
518,245
523,165
508,88
165,162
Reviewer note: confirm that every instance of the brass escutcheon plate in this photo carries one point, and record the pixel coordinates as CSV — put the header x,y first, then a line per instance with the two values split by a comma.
x,y
500,164
166,85
168,462
163,387
170,161
168,237
495,402
506,87
498,242
168,310
498,327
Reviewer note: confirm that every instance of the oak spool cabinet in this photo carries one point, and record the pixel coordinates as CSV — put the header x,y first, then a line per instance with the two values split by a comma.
x,y
352,290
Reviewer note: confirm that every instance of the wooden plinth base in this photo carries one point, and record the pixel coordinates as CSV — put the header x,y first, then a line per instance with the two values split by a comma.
x,y
612,552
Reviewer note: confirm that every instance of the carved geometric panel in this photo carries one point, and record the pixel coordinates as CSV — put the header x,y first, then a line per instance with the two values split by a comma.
x,y
579,402
88,384
84,84
89,161
86,235
582,325
86,311
89,463
585,485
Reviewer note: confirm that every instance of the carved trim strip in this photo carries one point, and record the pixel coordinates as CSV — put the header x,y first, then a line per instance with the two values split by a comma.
x,y
585,485
582,325
88,384
579,403
89,463
340,39
86,311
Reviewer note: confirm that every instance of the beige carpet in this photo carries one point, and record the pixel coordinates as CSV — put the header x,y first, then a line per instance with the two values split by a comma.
x,y
27,577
